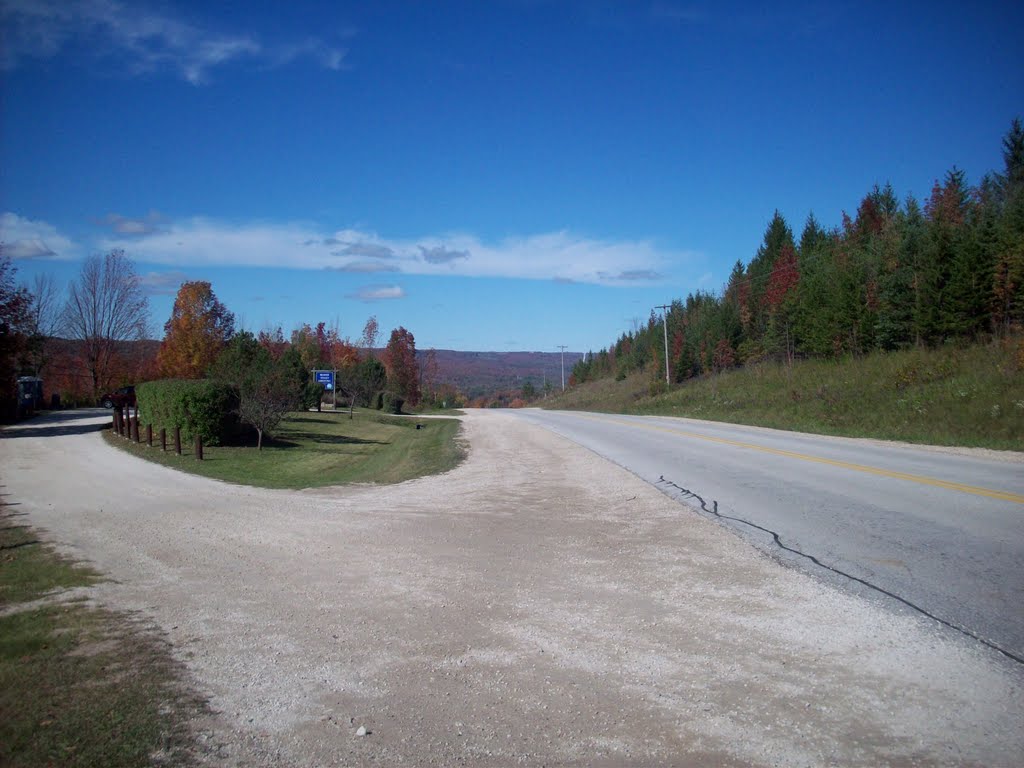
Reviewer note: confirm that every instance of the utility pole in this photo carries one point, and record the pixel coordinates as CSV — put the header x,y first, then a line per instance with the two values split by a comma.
x,y
563,348
664,324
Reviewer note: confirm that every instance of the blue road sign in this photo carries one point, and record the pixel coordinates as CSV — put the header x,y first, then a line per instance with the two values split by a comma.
x,y
326,378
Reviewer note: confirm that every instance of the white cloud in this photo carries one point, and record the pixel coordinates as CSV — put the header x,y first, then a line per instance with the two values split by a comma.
x,y
27,239
122,225
145,39
560,256
378,293
162,283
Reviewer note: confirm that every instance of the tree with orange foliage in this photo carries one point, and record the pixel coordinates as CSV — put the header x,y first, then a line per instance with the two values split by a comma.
x,y
199,329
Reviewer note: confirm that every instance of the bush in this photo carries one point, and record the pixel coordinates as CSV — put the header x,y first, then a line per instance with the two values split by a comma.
x,y
377,403
205,408
393,403
312,396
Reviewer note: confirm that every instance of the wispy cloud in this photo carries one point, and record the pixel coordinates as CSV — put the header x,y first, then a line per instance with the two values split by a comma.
x,y
371,293
145,40
561,256
439,254
162,283
365,267
123,225
637,275
368,250
27,239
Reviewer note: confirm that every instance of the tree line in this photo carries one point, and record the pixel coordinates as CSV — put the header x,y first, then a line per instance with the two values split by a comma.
x,y
895,275
96,338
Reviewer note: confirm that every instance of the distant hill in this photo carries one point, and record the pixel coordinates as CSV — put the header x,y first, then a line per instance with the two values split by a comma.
x,y
474,374
484,373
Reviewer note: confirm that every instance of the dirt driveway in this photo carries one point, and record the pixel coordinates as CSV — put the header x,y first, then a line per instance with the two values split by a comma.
x,y
536,606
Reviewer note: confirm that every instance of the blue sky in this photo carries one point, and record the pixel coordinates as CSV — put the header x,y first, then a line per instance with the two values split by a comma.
x,y
493,175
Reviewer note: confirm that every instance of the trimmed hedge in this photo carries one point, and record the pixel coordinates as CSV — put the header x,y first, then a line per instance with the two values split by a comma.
x,y
204,407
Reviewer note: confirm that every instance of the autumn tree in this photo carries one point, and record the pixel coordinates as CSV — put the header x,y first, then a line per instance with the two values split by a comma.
x,y
197,332
402,368
106,307
368,341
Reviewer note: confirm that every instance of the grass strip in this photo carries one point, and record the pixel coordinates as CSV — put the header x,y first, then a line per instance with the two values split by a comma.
x,y
958,396
80,686
312,449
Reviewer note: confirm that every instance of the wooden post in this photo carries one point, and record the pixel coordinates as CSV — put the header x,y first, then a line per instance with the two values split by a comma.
x,y
177,440
125,425
135,429
116,427
199,448
149,435
163,439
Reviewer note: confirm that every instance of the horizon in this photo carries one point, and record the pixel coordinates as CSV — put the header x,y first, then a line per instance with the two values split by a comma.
x,y
501,177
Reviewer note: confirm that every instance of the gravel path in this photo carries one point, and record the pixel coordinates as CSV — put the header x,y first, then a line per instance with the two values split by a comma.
x,y
535,606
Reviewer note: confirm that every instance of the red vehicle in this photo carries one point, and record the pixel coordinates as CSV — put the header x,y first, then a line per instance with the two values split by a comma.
x,y
120,398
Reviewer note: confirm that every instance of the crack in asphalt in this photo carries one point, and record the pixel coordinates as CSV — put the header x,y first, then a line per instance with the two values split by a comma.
x,y
713,510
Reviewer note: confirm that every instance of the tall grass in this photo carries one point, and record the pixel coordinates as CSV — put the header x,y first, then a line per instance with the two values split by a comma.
x,y
967,396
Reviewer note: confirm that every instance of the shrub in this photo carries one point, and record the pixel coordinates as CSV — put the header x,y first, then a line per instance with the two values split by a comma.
x,y
393,403
205,408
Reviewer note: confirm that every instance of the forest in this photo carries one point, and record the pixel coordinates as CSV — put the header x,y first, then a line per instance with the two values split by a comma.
x,y
895,275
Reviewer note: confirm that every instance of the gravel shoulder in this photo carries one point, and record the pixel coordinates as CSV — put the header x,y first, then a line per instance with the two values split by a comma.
x,y
537,606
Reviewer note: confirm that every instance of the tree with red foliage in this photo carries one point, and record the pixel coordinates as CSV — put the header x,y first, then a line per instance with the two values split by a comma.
x,y
273,341
401,365
783,279
197,332
780,300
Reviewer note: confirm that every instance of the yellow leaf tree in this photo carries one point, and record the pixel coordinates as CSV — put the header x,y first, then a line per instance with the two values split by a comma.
x,y
199,328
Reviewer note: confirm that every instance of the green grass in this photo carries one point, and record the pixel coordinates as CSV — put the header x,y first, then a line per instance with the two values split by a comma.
x,y
80,686
29,569
972,396
316,449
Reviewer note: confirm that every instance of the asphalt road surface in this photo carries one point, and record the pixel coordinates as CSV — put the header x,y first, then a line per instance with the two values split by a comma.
x,y
940,531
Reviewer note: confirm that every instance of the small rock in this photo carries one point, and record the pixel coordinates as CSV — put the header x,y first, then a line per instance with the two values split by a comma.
x,y
362,731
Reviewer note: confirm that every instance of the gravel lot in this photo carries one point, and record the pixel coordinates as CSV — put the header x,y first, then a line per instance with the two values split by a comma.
x,y
536,606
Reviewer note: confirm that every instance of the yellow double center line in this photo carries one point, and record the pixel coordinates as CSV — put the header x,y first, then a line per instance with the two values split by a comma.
x,y
962,487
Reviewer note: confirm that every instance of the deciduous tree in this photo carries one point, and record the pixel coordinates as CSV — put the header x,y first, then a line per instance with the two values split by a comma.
x,y
106,306
197,332
401,365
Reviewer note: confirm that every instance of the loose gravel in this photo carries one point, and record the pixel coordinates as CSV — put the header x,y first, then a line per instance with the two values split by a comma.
x,y
535,606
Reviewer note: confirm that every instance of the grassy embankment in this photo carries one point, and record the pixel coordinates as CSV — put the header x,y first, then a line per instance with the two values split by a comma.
x,y
971,396
317,449
79,686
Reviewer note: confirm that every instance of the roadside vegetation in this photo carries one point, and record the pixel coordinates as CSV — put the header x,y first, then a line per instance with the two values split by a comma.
x,y
80,686
905,322
311,449
967,396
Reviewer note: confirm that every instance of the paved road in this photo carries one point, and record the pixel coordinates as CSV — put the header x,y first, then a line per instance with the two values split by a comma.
x,y
942,531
